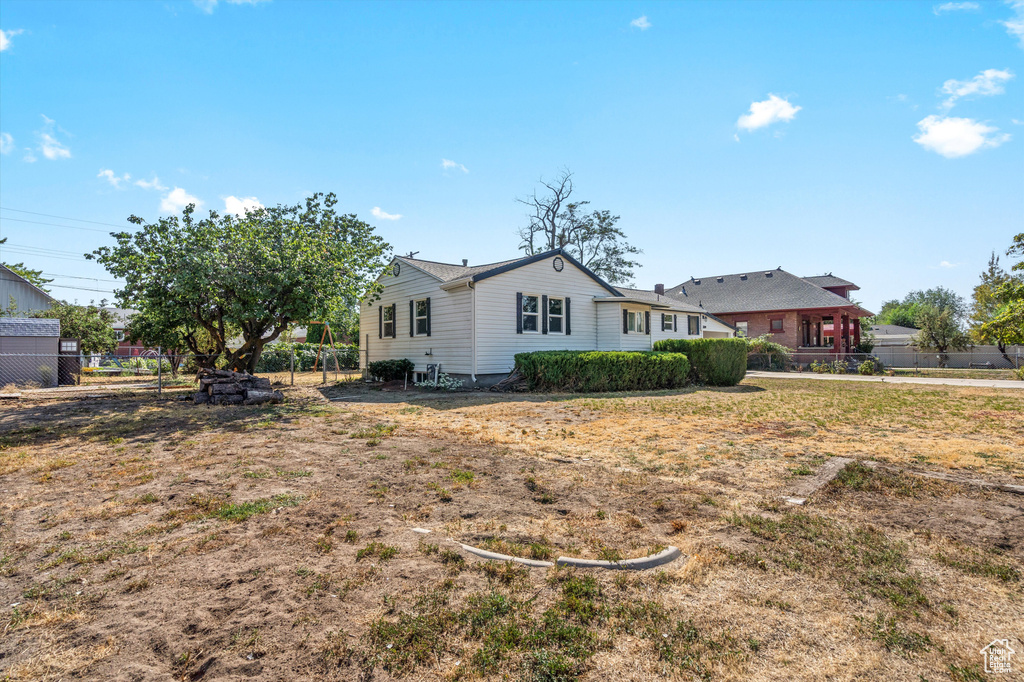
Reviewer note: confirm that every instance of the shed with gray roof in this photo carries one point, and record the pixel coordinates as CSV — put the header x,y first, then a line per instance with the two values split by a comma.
x,y
28,351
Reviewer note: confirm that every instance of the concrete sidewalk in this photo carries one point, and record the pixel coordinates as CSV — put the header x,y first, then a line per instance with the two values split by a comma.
x,y
928,381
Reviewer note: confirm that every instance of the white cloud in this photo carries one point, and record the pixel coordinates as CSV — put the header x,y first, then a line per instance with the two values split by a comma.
x,y
177,199
241,205
448,164
151,184
956,7
29,157
209,5
641,23
49,145
947,264
377,213
988,82
6,143
114,179
771,110
1015,26
955,137
5,38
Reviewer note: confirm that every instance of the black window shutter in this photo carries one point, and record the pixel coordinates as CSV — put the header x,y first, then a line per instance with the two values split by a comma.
x,y
380,322
568,328
675,323
428,316
412,318
544,314
394,320
663,316
625,321
519,312
647,322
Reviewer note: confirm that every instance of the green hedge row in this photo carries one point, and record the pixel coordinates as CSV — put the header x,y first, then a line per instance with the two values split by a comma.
x,y
714,362
277,357
586,371
391,370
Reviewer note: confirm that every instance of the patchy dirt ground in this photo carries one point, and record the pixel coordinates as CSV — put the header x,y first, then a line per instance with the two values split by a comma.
x,y
150,539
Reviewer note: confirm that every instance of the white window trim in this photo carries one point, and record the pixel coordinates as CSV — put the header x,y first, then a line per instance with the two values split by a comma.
x,y
388,310
638,321
536,314
417,317
561,317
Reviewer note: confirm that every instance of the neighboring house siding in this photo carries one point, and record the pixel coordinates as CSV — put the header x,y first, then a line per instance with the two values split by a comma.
x,y
450,338
26,297
496,337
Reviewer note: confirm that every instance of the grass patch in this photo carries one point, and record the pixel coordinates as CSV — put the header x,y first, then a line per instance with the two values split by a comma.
x,y
983,565
856,476
244,510
377,549
861,559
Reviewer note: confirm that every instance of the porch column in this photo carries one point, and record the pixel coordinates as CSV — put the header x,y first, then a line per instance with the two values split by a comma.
x,y
837,332
846,333
856,331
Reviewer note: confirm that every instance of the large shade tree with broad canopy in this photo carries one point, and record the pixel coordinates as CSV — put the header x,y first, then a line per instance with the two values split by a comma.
x,y
258,274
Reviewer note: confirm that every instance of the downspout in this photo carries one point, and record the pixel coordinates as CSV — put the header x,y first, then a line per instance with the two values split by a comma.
x,y
472,322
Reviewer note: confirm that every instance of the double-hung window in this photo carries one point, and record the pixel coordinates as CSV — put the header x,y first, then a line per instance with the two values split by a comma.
x,y
531,313
389,321
556,315
693,325
635,322
741,329
421,309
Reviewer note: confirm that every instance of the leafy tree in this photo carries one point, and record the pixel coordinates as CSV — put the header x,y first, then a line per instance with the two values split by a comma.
x,y
92,325
344,326
905,313
33,276
174,333
260,273
940,331
1007,321
988,301
592,238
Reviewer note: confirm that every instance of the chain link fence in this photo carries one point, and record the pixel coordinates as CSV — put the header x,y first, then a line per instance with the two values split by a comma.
x,y
154,369
969,364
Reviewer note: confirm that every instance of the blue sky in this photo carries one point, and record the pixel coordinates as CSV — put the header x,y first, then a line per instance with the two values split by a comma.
x,y
880,141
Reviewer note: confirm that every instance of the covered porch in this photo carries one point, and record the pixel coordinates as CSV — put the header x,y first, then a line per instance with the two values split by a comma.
x,y
836,331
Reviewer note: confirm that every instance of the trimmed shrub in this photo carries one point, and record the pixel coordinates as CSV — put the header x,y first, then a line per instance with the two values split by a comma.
x,y
763,353
588,371
713,362
391,370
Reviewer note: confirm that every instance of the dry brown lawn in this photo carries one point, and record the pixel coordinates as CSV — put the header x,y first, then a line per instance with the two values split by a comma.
x,y
147,539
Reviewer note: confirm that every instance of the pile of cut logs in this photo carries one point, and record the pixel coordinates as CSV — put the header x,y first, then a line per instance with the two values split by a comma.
x,y
224,387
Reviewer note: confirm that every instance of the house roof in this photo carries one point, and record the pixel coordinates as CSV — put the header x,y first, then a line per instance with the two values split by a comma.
x,y
449,272
12,276
647,295
764,290
29,326
830,280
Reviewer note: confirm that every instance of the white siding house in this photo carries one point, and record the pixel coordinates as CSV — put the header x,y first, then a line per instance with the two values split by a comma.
x,y
472,320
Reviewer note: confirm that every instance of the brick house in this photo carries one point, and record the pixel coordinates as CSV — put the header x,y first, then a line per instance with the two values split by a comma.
x,y
799,312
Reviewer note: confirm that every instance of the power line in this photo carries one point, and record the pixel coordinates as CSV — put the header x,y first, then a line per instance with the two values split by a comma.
x,y
70,227
63,286
42,249
93,279
61,217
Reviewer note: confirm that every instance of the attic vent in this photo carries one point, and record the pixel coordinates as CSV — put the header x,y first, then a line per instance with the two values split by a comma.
x,y
743,277
719,279
697,282
768,274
